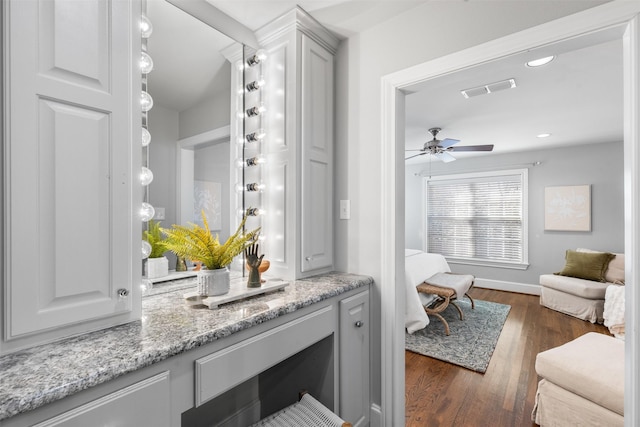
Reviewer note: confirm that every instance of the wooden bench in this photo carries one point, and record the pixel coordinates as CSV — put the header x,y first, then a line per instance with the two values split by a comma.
x,y
444,286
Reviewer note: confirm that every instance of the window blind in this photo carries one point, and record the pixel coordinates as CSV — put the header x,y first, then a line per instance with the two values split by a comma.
x,y
477,217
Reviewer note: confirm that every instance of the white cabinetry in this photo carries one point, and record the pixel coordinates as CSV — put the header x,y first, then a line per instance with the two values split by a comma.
x,y
71,143
146,403
354,359
322,348
317,157
299,92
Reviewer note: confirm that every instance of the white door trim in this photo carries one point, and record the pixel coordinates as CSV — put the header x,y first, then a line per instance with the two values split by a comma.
x,y
625,14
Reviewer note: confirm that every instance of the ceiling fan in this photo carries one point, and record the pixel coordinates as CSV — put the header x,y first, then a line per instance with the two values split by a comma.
x,y
440,148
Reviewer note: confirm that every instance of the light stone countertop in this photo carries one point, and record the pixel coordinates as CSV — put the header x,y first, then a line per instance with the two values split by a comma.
x,y
43,374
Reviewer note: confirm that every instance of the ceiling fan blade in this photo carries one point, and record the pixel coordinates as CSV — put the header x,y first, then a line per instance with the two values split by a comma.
x,y
448,142
445,157
488,147
407,158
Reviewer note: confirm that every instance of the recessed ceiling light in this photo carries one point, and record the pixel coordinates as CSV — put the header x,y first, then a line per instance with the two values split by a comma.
x,y
539,62
544,135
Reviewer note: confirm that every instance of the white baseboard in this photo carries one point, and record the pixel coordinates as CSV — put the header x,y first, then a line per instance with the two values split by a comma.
x,y
375,416
499,285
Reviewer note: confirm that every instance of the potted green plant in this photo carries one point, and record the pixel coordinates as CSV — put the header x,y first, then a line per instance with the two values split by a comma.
x,y
197,243
157,264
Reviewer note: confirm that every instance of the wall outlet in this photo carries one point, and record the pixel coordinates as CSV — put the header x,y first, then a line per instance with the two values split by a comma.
x,y
345,209
159,216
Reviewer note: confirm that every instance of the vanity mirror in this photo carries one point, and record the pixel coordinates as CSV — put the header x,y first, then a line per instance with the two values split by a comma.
x,y
190,153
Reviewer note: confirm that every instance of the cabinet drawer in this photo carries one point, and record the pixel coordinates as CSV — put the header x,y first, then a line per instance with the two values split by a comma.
x,y
145,403
227,368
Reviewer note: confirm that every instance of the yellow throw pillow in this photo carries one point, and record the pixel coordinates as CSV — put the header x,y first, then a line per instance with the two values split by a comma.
x,y
585,265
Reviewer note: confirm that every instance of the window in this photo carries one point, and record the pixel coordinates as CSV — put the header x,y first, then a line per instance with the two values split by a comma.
x,y
479,218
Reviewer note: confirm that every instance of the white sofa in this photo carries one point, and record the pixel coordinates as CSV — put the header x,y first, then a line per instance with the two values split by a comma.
x,y
579,297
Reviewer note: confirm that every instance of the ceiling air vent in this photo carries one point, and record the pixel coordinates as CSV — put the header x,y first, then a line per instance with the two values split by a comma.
x,y
488,88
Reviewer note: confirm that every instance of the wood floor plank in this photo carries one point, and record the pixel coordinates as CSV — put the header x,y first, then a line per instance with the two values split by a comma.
x,y
440,394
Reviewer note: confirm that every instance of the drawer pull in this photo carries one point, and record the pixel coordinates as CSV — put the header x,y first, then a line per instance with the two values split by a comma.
x,y
359,324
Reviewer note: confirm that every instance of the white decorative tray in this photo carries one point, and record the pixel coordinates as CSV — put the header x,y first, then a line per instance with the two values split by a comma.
x,y
238,290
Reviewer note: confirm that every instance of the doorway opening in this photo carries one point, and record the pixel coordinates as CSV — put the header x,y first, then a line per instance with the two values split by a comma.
x,y
620,17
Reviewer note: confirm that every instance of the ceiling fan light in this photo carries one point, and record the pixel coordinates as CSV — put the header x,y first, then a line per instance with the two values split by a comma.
x,y
540,61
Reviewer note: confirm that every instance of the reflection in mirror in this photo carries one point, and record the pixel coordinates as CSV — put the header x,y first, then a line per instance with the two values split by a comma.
x,y
251,152
190,119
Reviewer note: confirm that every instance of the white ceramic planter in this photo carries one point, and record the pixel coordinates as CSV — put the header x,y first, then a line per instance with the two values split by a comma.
x,y
157,267
213,282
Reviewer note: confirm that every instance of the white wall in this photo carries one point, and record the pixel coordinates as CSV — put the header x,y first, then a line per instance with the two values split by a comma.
x,y
600,165
423,33
163,126
211,163
211,112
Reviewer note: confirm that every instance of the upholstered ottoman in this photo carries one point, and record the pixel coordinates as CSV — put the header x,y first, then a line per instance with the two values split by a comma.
x,y
582,383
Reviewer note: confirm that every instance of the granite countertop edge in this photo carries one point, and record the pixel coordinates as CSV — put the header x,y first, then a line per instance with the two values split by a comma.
x,y
21,368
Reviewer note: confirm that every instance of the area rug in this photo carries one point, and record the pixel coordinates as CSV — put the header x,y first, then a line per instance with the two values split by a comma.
x,y
472,340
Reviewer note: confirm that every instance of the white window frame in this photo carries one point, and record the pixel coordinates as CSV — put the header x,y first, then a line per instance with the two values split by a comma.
x,y
524,176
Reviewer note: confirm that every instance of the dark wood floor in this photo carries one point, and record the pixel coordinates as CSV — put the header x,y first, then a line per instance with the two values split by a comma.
x,y
440,394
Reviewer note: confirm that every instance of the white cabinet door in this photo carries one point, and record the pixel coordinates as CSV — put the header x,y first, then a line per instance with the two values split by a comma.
x,y
317,157
70,155
354,359
146,403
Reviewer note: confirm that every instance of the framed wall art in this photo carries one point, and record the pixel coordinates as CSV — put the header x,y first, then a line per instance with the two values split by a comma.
x,y
207,197
567,208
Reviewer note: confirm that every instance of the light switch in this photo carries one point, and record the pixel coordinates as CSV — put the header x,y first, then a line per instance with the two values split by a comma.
x,y
159,216
345,209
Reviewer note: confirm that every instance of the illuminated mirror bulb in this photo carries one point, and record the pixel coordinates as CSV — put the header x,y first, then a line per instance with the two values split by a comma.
x,y
146,249
145,27
255,212
146,212
146,137
256,111
255,85
254,186
146,63
255,136
251,212
257,58
255,161
146,176
145,286
146,102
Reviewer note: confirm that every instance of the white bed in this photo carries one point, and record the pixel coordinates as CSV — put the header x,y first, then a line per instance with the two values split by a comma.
x,y
419,266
